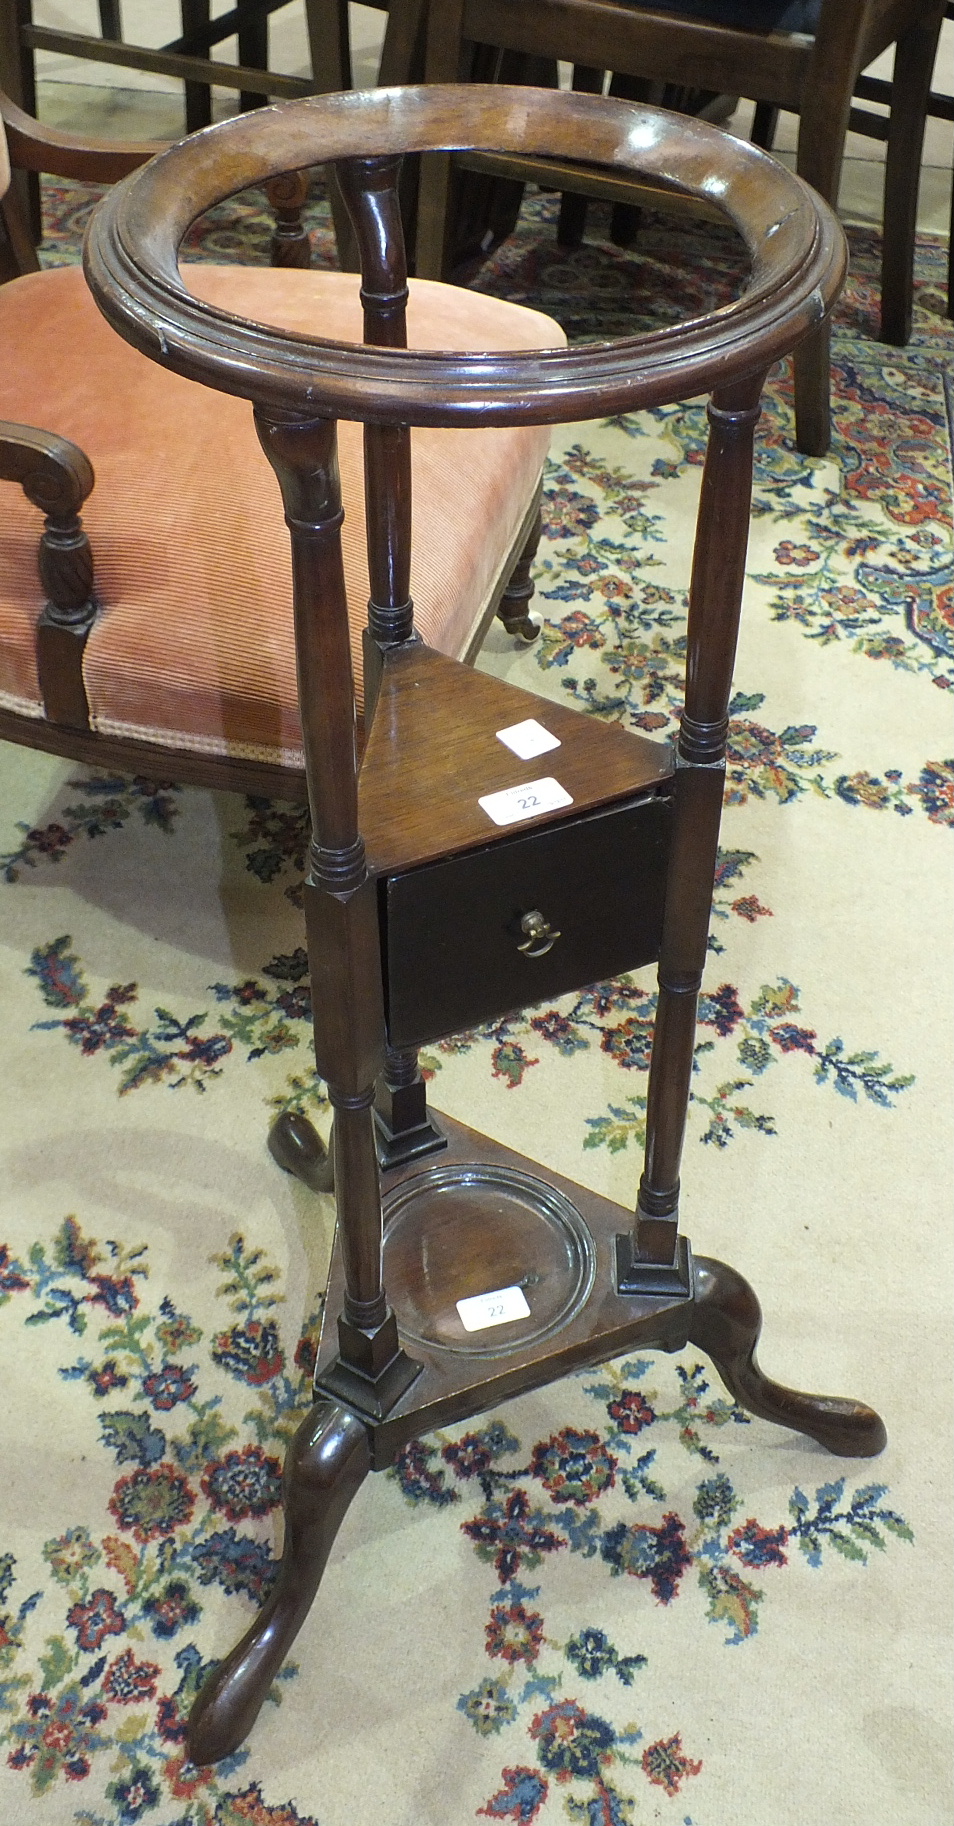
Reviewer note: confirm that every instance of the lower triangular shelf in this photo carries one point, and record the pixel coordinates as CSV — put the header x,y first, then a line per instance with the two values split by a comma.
x,y
477,1219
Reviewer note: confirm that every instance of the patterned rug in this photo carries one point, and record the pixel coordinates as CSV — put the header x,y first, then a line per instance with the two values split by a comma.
x,y
619,1600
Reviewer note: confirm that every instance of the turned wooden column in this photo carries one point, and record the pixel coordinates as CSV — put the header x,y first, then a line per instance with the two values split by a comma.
x,y
515,601
369,188
287,196
652,1258
340,901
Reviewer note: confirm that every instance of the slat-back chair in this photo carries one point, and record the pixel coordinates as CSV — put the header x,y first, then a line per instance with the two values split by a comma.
x,y
689,42
188,56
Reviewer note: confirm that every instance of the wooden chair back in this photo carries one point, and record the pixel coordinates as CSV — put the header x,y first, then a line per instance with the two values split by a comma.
x,y
813,77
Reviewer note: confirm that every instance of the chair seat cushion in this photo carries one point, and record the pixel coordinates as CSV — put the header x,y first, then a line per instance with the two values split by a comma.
x,y
744,15
193,646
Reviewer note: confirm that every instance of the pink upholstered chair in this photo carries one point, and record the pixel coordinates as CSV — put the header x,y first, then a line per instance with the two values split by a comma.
x,y
165,640
158,638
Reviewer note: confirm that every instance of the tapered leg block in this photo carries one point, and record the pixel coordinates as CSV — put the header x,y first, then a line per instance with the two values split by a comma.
x,y
295,1144
726,1321
327,1462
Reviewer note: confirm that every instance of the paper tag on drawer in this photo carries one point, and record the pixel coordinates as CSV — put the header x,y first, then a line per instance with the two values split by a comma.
x,y
518,802
527,739
500,1308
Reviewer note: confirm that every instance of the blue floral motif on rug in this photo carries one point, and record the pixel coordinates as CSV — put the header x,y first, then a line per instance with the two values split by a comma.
x,y
191,1505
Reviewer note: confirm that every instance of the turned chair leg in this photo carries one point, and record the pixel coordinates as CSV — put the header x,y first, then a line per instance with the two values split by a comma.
x,y
726,1322
517,595
327,1462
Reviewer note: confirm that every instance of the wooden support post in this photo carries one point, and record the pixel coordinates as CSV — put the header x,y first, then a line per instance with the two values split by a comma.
x,y
369,187
571,226
404,1127
340,903
654,1258
198,96
369,190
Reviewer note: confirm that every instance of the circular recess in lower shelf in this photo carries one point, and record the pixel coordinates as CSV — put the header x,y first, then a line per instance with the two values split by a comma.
x,y
462,1232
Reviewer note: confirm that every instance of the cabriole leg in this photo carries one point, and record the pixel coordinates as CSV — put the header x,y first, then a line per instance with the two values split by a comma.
x,y
327,1462
726,1322
296,1146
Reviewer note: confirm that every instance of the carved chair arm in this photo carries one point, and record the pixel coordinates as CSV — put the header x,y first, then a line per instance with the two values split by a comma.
x,y
34,147
56,476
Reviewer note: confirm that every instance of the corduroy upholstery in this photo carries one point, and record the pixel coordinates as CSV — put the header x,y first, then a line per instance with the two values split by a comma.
x,y
193,646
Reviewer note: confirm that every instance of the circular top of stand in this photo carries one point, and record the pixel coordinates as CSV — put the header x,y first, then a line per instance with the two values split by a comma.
x,y
797,251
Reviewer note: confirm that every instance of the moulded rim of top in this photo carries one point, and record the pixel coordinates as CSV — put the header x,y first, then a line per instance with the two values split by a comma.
x,y
795,242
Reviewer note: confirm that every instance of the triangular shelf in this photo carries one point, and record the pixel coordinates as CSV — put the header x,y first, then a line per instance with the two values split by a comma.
x,y
433,752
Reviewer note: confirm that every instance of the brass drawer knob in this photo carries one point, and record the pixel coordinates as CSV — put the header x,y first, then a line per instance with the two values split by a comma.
x,y
540,936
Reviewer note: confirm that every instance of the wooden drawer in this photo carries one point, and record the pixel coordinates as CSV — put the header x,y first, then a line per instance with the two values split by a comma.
x,y
451,929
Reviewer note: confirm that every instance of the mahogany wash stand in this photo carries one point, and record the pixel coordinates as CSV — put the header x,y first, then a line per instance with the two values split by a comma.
x,y
424,915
